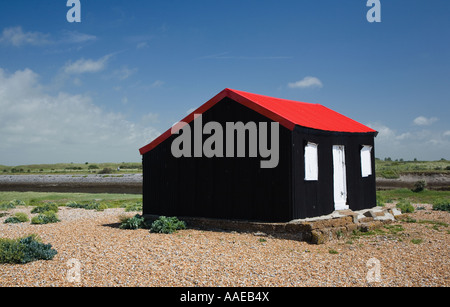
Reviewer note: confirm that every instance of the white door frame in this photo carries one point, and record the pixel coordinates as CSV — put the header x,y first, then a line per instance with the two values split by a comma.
x,y
339,178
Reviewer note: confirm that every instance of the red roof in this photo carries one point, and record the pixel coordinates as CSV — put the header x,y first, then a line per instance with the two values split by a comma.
x,y
288,113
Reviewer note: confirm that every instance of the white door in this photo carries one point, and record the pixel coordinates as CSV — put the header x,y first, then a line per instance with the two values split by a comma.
x,y
339,178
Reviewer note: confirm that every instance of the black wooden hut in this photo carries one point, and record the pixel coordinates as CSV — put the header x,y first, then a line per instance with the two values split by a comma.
x,y
325,163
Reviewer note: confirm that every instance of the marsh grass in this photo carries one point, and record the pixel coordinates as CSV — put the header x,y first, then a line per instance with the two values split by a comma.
x,y
393,169
71,168
423,197
36,198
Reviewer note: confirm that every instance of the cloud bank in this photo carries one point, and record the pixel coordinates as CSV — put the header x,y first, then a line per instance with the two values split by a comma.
x,y
36,127
415,143
15,36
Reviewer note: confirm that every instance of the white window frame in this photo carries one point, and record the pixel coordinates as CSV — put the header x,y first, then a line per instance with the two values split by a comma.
x,y
311,162
366,160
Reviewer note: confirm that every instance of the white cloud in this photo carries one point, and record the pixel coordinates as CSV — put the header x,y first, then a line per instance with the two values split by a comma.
x,y
124,73
424,121
86,66
152,118
306,82
75,37
141,45
36,127
423,144
446,133
227,56
16,37
157,84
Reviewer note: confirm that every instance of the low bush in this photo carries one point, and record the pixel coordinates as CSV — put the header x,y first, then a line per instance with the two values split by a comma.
x,y
6,206
133,207
134,222
12,204
47,217
167,225
405,206
18,202
93,205
442,205
73,204
24,250
19,217
45,208
419,186
106,170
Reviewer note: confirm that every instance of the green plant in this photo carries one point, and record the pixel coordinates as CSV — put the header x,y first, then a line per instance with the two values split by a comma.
x,y
6,206
106,170
419,186
394,229
133,207
17,202
93,205
19,217
167,225
332,251
442,205
45,208
102,207
416,241
380,203
405,206
73,204
134,222
409,220
12,204
47,217
24,250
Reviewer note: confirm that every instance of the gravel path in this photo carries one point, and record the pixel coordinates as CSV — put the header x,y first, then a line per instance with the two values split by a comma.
x,y
109,256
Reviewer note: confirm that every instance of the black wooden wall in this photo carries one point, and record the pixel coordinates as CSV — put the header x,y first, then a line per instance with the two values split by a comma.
x,y
229,188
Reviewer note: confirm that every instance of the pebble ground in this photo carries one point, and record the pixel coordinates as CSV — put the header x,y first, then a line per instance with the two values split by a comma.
x,y
93,251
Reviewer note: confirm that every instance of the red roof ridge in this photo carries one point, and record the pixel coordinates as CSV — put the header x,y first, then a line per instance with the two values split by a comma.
x,y
270,97
288,113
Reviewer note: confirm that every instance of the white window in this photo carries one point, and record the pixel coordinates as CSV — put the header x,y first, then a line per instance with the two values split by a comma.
x,y
366,161
311,162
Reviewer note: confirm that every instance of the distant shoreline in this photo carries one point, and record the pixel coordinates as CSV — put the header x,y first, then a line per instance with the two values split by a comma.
x,y
95,183
132,183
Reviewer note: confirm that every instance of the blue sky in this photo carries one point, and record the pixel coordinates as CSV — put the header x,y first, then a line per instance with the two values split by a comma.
x,y
99,90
